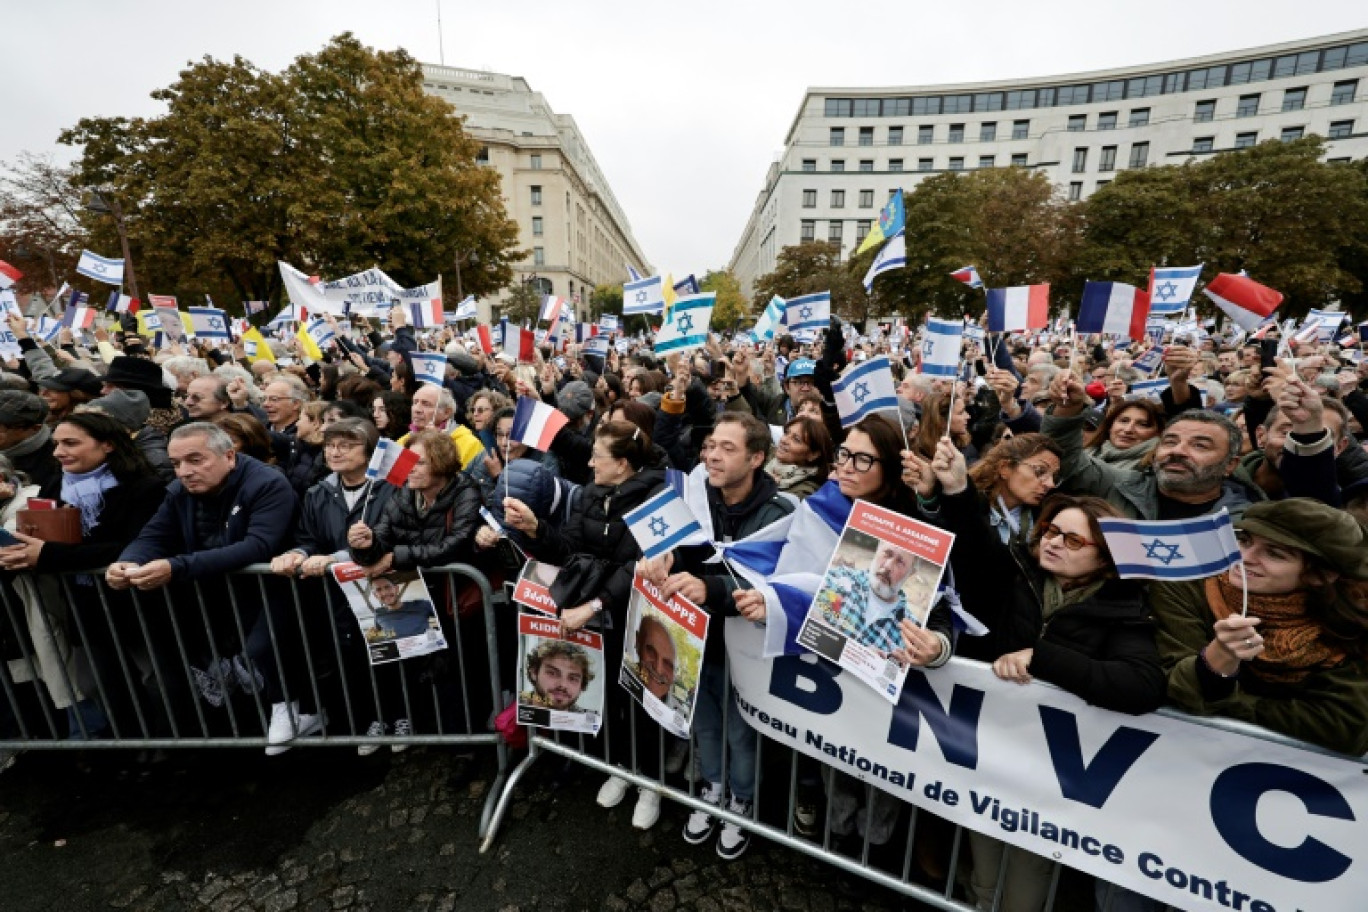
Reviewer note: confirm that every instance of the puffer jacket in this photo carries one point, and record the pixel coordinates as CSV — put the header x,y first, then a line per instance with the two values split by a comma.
x,y
442,534
325,519
532,482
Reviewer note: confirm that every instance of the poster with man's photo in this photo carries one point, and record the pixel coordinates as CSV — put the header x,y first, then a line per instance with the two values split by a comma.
x,y
560,678
534,587
663,655
886,567
395,612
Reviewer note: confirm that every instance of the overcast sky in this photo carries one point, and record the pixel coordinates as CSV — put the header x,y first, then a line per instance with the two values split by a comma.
x,y
684,105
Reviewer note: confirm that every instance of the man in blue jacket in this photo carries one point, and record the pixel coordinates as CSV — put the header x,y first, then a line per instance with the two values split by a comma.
x,y
224,512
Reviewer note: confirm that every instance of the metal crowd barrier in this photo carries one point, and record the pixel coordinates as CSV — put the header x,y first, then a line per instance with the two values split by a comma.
x,y
899,876
134,655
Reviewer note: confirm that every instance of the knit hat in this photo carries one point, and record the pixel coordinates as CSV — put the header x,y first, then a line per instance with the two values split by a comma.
x,y
20,410
575,399
140,374
1318,529
462,361
128,407
71,379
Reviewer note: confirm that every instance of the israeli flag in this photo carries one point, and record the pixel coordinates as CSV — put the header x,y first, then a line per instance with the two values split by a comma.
x,y
608,323
770,320
663,523
47,328
428,367
687,326
643,296
321,332
467,310
1327,323
809,312
892,256
974,333
101,269
1176,549
1149,389
596,345
1149,362
864,389
288,314
1171,288
632,274
210,323
942,341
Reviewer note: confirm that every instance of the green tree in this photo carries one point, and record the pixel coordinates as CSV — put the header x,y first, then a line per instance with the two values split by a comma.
x,y
522,305
339,163
810,267
731,305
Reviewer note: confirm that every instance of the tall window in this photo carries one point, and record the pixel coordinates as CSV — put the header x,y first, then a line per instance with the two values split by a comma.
x,y
895,164
536,195
809,164
809,230
1078,123
1341,129
1140,117
1248,106
1245,140
926,134
809,199
538,256
536,226
1108,159
1106,120
866,199
1076,191
837,199
1021,129
834,232
862,229
1139,155
866,136
1294,99
987,132
1080,161
1344,92
895,135
1205,112
536,162
956,133
837,136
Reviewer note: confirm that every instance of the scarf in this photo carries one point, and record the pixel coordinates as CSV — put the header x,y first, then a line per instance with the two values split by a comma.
x,y
1056,596
1294,643
1112,454
789,476
30,445
85,491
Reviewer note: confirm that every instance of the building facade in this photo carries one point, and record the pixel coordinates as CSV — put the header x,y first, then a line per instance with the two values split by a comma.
x,y
848,149
576,234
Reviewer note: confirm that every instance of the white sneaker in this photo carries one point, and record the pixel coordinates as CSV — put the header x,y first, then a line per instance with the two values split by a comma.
x,y
376,730
647,810
287,724
733,841
402,729
701,824
612,792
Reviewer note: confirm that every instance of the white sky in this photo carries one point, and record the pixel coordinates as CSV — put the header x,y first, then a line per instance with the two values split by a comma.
x,y
684,105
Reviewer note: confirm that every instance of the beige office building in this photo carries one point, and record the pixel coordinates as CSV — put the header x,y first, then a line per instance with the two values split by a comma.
x,y
568,219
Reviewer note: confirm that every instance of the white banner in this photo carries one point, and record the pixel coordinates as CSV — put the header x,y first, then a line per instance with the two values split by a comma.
x,y
1199,818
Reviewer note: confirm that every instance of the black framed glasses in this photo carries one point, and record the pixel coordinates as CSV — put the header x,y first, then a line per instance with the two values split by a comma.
x,y
863,462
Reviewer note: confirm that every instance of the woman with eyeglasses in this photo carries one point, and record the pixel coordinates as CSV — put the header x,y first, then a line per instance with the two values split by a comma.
x,y
480,409
1055,610
1297,662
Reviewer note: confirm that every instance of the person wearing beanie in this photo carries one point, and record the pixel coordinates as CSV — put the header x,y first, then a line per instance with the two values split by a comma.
x,y
131,409
1297,662
64,390
27,441
130,373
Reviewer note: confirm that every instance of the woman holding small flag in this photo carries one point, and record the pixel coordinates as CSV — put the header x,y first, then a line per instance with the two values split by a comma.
x,y
1297,661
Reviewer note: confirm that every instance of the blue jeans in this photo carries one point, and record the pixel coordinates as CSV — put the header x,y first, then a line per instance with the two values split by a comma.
x,y
707,730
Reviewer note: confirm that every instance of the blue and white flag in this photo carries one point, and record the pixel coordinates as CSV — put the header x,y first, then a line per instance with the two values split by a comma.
x,y
769,321
467,310
942,341
687,326
687,286
1149,362
632,274
608,323
864,389
319,330
1170,288
47,328
101,269
892,256
288,314
663,523
974,332
209,323
643,296
596,345
1149,389
428,367
1327,323
1175,549
809,312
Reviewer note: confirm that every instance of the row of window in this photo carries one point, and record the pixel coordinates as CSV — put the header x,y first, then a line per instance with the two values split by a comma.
x,y
1340,129
866,166
1139,157
835,230
1196,80
926,134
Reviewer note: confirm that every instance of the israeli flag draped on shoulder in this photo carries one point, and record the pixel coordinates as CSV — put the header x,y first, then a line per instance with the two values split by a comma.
x,y
664,522
687,326
1177,549
942,342
811,311
864,389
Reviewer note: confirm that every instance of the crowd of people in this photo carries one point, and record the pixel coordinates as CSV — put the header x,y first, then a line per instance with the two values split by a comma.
x,y
188,463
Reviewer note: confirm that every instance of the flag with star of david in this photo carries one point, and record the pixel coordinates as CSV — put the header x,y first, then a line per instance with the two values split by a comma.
x,y
210,323
664,522
942,342
863,389
643,296
687,326
1170,288
811,311
1177,549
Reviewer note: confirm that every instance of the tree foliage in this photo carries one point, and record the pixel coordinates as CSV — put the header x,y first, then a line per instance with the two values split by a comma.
x,y
731,307
811,267
522,304
40,220
338,163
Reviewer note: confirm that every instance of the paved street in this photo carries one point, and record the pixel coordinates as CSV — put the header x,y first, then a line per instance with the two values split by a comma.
x,y
326,830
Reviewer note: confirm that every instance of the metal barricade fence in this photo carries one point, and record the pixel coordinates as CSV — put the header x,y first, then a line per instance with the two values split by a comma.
x,y
200,665
902,871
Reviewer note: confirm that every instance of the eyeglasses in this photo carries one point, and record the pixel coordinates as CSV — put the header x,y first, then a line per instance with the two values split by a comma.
x,y
801,381
863,462
475,410
1072,540
274,399
341,445
1040,472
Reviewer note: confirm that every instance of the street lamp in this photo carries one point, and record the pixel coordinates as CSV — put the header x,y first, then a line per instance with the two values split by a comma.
x,y
109,205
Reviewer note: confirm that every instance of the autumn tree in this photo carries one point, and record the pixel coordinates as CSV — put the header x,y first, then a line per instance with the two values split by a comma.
x,y
522,305
731,306
40,220
810,267
338,163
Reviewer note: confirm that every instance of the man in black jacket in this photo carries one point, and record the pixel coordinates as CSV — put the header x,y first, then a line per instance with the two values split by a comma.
x,y
741,500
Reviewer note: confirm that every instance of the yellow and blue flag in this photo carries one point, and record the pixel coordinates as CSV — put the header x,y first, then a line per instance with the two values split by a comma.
x,y
892,220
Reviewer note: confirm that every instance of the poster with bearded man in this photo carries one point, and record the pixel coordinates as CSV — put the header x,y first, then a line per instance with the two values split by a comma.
x,y
886,569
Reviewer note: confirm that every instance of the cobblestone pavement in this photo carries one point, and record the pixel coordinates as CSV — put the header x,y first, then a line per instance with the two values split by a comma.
x,y
325,830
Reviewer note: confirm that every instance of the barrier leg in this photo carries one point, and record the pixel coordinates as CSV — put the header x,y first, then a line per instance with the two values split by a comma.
x,y
491,831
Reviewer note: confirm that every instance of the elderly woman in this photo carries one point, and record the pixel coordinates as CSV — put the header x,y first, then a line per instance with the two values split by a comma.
x,y
1297,663
803,458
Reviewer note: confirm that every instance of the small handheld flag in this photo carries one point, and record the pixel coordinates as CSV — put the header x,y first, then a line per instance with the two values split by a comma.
x,y
536,424
663,523
9,275
687,326
892,256
864,389
518,342
812,311
941,346
1242,299
1018,308
428,367
1113,307
101,269
968,275
1177,549
643,296
1170,288
210,323
391,462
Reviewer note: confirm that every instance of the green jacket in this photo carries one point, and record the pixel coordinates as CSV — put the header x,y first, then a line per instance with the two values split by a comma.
x,y
1329,708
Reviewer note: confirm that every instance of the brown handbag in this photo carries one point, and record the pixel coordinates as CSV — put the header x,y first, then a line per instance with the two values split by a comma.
x,y
62,525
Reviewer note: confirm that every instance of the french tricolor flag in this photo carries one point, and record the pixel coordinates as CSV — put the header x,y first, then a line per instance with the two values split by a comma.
x,y
1018,308
969,276
1242,299
428,314
520,343
391,462
536,424
551,309
79,317
121,303
1113,307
